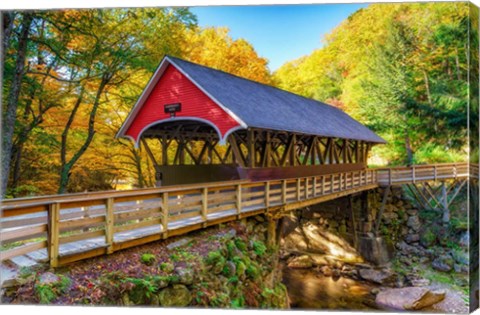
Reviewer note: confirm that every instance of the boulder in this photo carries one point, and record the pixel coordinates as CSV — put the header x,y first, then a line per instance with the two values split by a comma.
x,y
412,238
48,278
319,259
382,277
389,216
409,298
414,223
295,241
428,238
181,242
443,263
185,275
177,295
461,257
301,262
407,249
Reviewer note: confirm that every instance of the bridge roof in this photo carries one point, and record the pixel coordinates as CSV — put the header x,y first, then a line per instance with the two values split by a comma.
x,y
256,105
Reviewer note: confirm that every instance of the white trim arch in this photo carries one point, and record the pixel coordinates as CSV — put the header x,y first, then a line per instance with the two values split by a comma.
x,y
186,118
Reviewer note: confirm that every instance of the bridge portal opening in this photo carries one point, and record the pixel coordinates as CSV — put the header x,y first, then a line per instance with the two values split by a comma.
x,y
187,151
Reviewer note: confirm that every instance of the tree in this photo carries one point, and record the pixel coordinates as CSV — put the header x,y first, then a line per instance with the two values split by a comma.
x,y
213,47
10,112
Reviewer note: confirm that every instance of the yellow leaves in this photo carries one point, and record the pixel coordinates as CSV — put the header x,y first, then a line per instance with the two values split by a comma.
x,y
213,47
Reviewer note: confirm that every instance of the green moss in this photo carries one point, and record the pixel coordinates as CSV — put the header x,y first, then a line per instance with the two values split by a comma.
x,y
175,257
214,257
253,271
167,267
241,245
147,259
259,248
241,269
220,300
142,290
231,248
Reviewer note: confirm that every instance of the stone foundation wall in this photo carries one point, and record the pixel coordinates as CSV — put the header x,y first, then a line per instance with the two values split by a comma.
x,y
352,220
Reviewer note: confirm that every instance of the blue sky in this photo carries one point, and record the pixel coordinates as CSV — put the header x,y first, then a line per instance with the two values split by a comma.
x,y
279,33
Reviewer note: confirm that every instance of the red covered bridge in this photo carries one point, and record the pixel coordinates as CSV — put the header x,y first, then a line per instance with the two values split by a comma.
x,y
224,127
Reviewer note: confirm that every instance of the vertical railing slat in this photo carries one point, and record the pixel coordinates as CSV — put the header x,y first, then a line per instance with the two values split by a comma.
x,y
204,204
109,224
54,233
239,198
267,194
298,188
165,213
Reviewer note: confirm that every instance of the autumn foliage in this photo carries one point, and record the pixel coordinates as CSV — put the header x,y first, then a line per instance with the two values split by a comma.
x,y
72,76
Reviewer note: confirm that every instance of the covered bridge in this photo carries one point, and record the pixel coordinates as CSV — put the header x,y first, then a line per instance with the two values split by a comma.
x,y
199,124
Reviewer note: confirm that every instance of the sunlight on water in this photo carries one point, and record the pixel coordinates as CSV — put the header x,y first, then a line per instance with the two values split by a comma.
x,y
308,289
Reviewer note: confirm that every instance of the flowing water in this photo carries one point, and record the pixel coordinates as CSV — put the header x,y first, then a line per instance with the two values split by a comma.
x,y
309,289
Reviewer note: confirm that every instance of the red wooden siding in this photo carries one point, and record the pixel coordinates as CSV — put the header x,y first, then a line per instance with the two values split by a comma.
x,y
174,87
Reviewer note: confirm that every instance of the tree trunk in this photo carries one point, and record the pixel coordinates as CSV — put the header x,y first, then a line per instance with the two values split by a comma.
x,y
36,120
66,167
408,148
8,19
10,114
457,65
427,88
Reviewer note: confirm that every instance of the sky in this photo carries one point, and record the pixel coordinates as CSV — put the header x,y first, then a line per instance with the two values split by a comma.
x,y
278,33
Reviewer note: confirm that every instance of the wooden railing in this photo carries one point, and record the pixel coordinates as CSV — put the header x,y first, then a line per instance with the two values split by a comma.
x,y
66,228
422,173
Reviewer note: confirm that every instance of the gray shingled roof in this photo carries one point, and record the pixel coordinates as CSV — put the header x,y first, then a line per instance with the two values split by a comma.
x,y
263,106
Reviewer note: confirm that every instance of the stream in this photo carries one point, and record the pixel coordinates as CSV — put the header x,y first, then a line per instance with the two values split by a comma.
x,y
310,289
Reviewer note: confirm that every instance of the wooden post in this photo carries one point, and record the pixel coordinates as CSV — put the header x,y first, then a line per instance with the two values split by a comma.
x,y
251,147
204,204
413,174
165,214
331,183
298,188
109,225
306,188
54,233
271,232
323,184
446,211
267,194
284,192
435,172
239,199
164,150
314,189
